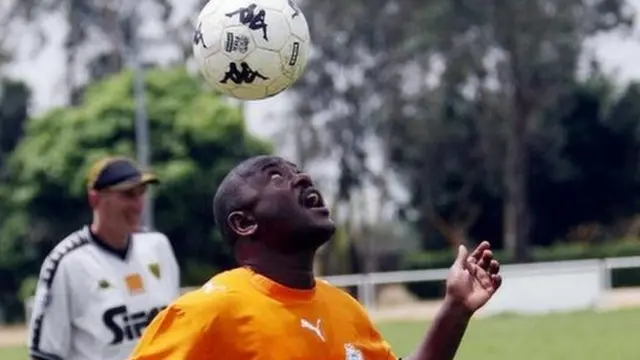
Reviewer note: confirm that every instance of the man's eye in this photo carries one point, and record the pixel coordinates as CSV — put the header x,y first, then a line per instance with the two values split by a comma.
x,y
275,176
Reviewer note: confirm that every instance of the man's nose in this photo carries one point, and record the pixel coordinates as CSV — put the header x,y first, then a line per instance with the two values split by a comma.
x,y
138,202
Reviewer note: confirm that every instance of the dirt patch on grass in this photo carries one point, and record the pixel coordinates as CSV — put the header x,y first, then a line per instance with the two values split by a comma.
x,y
13,336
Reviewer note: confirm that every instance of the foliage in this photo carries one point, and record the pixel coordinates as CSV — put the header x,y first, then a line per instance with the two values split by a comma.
x,y
595,177
195,139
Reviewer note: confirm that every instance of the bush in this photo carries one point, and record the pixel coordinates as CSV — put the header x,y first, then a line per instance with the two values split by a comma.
x,y
443,259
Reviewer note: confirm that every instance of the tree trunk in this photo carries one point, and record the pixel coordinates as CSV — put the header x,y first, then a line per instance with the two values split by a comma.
x,y
515,176
457,237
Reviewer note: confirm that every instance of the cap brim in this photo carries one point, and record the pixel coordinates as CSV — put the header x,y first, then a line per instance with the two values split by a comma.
x,y
145,179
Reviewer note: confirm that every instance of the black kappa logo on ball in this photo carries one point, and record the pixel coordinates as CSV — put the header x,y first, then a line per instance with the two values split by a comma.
x,y
294,6
244,76
255,21
198,37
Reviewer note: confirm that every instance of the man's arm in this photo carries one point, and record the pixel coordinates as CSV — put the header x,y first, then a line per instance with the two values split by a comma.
x,y
471,283
445,335
50,323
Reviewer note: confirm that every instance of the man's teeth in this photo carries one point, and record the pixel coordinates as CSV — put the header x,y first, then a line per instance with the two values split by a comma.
x,y
312,200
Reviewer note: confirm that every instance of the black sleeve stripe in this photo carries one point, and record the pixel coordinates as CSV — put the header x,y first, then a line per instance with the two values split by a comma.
x,y
66,247
50,267
39,355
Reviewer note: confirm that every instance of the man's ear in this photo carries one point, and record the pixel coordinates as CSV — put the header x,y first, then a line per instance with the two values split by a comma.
x,y
93,197
242,223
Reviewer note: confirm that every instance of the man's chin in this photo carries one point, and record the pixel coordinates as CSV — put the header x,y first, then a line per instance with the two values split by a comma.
x,y
135,227
319,233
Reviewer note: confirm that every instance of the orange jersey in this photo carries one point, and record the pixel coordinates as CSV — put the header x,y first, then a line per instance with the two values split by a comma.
x,y
240,315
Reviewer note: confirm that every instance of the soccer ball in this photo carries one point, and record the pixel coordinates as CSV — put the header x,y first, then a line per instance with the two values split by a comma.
x,y
251,49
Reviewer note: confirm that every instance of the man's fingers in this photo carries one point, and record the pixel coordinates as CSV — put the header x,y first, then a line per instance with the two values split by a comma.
x,y
485,259
461,257
483,277
477,252
494,267
480,275
496,279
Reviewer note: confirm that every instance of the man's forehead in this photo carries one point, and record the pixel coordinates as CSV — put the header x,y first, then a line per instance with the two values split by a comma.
x,y
258,164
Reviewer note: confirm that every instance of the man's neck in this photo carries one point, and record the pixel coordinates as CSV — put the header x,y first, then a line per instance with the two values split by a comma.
x,y
294,270
116,239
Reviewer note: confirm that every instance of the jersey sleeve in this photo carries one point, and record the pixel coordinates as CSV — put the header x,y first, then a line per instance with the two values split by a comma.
x,y
380,346
191,328
50,323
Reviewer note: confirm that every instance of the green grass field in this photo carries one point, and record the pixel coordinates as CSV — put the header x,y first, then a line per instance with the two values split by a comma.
x,y
576,336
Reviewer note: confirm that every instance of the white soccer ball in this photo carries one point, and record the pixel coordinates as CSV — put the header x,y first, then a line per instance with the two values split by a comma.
x,y
251,49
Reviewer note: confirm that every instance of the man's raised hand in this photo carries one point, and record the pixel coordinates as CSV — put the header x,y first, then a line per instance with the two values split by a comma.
x,y
473,278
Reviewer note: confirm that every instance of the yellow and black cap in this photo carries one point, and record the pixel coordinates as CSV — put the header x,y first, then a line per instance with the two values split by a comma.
x,y
118,173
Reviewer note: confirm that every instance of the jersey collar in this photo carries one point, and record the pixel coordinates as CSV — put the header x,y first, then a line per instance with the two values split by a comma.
x,y
103,245
276,290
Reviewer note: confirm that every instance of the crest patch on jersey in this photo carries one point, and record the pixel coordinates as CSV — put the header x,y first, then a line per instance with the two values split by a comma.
x,y
155,269
352,353
134,284
104,284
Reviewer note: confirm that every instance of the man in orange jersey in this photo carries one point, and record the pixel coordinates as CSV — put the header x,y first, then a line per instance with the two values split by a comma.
x,y
272,307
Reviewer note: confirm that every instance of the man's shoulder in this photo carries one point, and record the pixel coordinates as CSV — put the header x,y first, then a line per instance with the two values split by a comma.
x,y
152,240
222,293
68,247
229,284
150,237
349,305
72,242
328,288
336,294
63,254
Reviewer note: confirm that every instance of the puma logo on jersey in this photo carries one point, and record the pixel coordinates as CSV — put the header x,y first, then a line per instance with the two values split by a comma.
x,y
305,324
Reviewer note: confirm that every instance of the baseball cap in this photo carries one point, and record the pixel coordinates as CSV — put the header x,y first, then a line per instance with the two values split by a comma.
x,y
118,173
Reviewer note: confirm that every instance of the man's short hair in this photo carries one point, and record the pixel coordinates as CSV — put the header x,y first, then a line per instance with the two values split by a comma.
x,y
231,194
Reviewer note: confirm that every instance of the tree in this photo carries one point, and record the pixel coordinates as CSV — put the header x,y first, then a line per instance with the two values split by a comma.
x,y
541,42
594,185
196,138
446,83
14,99
342,103
14,103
